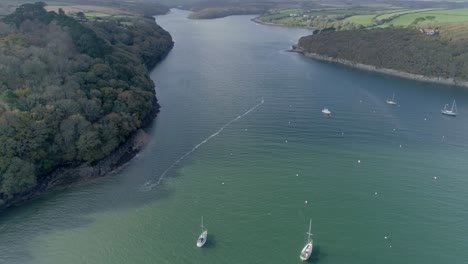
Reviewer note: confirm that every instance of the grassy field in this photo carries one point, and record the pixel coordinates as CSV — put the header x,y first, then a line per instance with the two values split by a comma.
x,y
96,14
440,16
387,15
365,17
301,17
327,16
457,31
364,20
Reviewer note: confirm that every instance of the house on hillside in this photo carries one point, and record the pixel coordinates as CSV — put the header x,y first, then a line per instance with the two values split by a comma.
x,y
429,31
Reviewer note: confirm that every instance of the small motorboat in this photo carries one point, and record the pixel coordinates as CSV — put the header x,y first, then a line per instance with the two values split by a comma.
x,y
327,112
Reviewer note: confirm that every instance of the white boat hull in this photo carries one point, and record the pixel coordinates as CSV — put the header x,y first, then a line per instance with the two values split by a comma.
x,y
306,251
448,112
391,103
202,239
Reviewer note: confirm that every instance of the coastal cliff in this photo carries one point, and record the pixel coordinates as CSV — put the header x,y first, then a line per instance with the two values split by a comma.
x,y
401,52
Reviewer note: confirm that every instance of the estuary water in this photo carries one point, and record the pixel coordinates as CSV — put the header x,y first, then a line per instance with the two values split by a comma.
x,y
241,141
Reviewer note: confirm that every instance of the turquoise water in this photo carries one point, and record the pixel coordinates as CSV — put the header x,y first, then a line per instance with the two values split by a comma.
x,y
249,177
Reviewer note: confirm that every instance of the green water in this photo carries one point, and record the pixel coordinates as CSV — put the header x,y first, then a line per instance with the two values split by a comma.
x,y
250,181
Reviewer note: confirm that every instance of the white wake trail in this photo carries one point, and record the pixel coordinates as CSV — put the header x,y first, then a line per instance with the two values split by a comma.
x,y
149,185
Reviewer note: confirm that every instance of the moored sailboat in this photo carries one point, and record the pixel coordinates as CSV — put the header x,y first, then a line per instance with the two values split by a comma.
x,y
391,101
307,250
203,236
452,112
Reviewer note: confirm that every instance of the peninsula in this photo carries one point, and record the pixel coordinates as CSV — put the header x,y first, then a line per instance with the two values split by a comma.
x,y
436,53
74,95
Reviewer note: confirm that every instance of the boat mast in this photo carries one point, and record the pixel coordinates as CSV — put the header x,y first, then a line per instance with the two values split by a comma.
x,y
393,98
308,233
454,106
202,228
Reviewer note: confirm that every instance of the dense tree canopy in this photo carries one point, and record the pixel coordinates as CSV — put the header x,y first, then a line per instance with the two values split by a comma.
x,y
218,12
70,92
209,9
406,50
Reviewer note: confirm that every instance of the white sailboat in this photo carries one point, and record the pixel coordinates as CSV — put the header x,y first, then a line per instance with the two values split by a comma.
x,y
452,112
325,111
203,236
391,101
307,250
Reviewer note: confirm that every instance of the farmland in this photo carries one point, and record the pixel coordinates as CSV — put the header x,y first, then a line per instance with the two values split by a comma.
x,y
364,20
359,18
437,15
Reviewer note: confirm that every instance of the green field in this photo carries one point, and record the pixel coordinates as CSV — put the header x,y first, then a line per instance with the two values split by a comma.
x,y
387,15
365,17
96,14
364,20
290,11
441,16
301,17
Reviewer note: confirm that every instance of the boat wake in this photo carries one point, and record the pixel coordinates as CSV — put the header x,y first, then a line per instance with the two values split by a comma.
x,y
151,184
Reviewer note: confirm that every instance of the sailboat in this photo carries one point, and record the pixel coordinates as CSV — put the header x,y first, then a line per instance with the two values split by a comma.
x,y
307,250
391,101
452,112
203,236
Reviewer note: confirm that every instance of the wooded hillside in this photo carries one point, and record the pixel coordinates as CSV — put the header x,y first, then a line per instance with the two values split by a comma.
x,y
70,91
406,50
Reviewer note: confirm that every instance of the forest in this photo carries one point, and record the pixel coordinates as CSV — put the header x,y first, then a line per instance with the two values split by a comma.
x,y
219,12
70,91
402,49
210,9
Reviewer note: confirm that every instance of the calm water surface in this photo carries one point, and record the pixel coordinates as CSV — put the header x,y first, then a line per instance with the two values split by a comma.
x,y
250,181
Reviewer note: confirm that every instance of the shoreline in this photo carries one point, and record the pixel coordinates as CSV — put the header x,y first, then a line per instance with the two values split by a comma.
x,y
256,20
392,72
